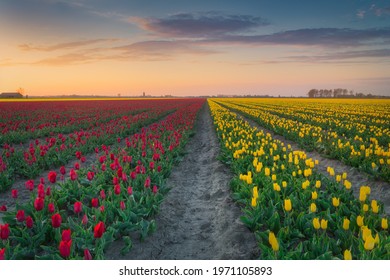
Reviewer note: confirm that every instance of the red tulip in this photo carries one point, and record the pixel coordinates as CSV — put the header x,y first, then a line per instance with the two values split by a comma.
x,y
119,172
78,154
3,208
95,202
52,177
87,255
104,167
14,193
41,191
20,217
56,220
90,175
73,175
122,205
124,177
83,159
62,170
77,207
48,191
85,220
159,168
98,230
117,189
65,248
29,185
156,157
66,235
101,208
130,190
2,254
39,203
147,183
155,189
29,222
4,231
42,181
133,175
115,180
50,207
102,194
77,166
151,165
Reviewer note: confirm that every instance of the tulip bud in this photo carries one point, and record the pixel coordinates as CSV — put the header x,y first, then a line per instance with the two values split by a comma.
x,y
287,205
316,223
273,241
346,224
313,208
347,255
324,224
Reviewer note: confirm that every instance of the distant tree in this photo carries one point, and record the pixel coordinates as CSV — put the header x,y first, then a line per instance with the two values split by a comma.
x,y
312,93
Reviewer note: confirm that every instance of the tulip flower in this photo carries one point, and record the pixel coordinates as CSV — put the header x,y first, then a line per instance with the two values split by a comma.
x,y
77,207
2,254
130,190
313,208
85,220
64,248
347,184
87,255
384,224
117,189
103,194
29,185
318,184
287,205
324,224
52,177
20,217
90,175
98,230
346,224
95,202
365,232
56,220
29,222
66,235
360,220
154,189
273,241
254,202
335,201
316,223
314,195
73,175
369,243
14,193
347,255
365,207
374,206
62,170
38,204
4,231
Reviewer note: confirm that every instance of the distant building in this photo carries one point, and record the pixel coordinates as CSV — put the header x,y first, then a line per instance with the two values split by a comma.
x,y
11,95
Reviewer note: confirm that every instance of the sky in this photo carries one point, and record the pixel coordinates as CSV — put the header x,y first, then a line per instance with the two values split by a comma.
x,y
183,48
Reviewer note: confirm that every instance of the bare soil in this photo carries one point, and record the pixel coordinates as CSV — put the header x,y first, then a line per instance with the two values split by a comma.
x,y
197,219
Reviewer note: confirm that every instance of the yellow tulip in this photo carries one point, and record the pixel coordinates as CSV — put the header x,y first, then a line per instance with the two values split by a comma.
x,y
335,201
294,174
287,205
284,184
276,187
347,184
376,239
313,208
384,224
365,232
249,180
365,207
346,224
324,223
360,221
314,195
344,175
318,184
316,223
267,172
273,177
369,243
273,241
374,206
338,178
347,255
254,202
362,196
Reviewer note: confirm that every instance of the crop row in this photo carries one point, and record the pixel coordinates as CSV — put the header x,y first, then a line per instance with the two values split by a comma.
x,y
296,212
362,151
111,199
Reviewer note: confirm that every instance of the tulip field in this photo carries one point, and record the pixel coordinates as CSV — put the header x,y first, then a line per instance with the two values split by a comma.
x,y
94,172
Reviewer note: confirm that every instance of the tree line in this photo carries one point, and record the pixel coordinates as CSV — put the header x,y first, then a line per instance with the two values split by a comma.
x,y
338,93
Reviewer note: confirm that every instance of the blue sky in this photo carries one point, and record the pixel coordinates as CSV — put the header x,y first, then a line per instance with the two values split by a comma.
x,y
189,47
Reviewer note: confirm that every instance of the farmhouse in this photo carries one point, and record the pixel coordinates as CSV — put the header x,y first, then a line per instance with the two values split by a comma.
x,y
11,95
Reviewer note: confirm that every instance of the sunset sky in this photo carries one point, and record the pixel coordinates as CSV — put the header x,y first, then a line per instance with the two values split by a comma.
x,y
179,47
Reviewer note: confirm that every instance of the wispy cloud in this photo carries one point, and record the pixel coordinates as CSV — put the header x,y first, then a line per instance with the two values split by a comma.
x,y
330,37
341,56
64,46
199,25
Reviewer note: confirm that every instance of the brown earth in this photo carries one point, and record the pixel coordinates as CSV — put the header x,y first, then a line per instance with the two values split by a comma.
x,y
197,219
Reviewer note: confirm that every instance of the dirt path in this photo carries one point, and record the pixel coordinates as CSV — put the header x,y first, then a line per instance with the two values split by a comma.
x,y
197,219
379,190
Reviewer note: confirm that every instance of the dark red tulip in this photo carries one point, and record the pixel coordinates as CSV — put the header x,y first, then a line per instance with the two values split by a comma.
x,y
78,206
78,154
50,208
104,167
115,180
147,183
2,254
117,189
83,159
52,177
39,203
65,248
85,220
66,235
90,175
29,222
155,189
98,230
130,190
87,255
56,220
73,175
62,170
95,202
20,217
101,208
122,205
48,191
159,168
29,185
3,208
4,231
77,166
102,194
14,193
